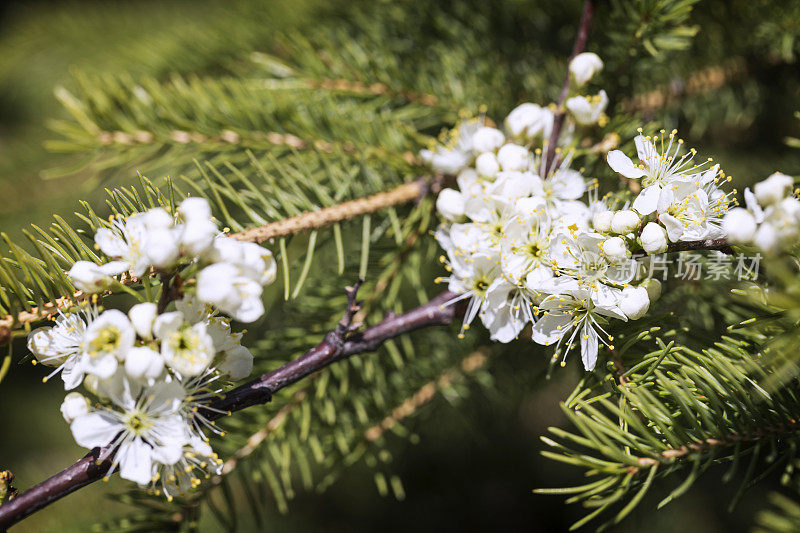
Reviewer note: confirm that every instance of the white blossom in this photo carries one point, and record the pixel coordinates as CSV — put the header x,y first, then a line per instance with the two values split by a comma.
x,y
514,157
90,277
528,121
106,342
773,189
584,66
588,110
141,428
615,249
487,165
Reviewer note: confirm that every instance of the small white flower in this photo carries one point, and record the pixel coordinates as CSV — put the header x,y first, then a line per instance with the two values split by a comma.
x,y
127,241
579,315
450,204
198,461
450,159
659,168
91,278
142,317
106,342
739,226
187,349
615,249
773,189
635,302
222,285
514,157
487,165
142,429
59,346
73,406
654,238
587,110
527,121
487,139
625,221
602,221
584,66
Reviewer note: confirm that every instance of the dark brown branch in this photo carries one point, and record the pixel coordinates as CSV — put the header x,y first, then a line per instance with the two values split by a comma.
x,y
558,120
339,344
706,244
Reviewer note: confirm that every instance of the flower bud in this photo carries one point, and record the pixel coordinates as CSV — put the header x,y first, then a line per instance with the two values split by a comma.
x,y
450,204
773,189
614,248
653,238
487,165
602,221
584,66
625,221
142,317
635,302
73,406
653,287
513,157
739,226
487,139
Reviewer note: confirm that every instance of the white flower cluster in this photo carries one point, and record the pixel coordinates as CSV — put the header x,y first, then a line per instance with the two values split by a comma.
x,y
771,220
524,248
524,125
680,200
233,273
153,373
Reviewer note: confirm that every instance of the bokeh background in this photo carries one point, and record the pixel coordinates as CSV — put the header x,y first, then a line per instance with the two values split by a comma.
x,y
472,463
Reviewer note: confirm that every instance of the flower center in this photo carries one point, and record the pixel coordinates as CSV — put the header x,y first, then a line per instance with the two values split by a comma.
x,y
138,423
106,341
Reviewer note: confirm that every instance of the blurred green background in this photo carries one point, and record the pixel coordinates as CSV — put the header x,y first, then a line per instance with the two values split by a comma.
x,y
474,467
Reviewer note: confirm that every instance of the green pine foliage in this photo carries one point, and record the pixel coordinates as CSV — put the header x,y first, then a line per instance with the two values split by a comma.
x,y
274,120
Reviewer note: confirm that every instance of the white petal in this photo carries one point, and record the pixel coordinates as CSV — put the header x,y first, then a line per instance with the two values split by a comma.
x,y
622,164
546,330
135,462
95,429
647,201
588,347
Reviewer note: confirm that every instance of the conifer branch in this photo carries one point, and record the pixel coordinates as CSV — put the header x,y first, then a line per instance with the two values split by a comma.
x,y
339,344
408,192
